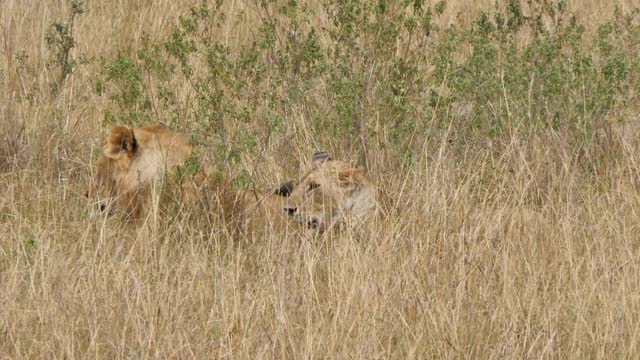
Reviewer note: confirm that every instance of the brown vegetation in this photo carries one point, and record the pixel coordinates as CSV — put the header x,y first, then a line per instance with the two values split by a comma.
x,y
519,246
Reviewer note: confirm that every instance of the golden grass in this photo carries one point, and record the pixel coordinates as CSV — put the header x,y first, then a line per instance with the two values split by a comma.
x,y
527,254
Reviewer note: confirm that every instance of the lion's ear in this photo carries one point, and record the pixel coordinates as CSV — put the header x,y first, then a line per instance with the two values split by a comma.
x,y
320,157
122,141
351,175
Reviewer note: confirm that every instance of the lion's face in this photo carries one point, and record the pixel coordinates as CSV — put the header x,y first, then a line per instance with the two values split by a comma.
x,y
131,161
102,190
330,193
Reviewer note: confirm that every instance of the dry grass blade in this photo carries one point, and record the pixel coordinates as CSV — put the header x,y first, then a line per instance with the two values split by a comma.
x,y
522,244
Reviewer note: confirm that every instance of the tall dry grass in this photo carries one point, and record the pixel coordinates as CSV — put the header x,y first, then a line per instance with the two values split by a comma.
x,y
524,247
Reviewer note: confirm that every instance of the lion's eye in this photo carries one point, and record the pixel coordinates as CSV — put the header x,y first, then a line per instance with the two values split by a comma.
x,y
313,186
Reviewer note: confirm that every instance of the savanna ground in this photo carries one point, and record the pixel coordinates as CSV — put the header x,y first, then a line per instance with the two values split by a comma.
x,y
502,137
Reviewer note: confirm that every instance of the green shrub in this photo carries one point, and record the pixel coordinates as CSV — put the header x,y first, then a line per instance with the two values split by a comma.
x,y
60,40
375,75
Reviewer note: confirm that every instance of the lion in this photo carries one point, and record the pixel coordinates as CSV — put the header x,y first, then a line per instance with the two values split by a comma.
x,y
330,194
251,211
136,159
133,160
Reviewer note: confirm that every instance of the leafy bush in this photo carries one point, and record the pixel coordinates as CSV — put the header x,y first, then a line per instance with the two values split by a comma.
x,y
60,40
375,75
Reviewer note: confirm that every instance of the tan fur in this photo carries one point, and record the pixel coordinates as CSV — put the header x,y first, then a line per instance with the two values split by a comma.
x,y
331,193
127,170
132,161
245,211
